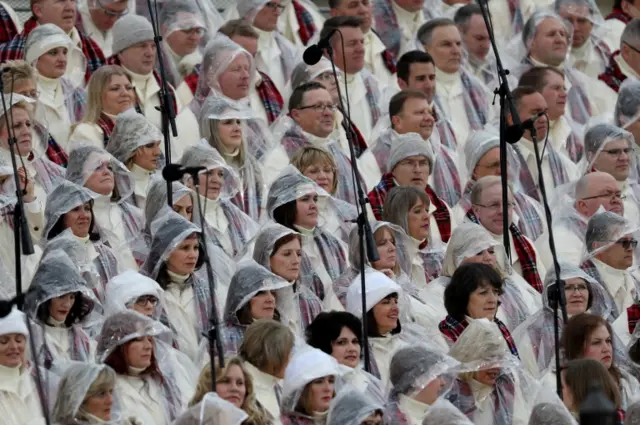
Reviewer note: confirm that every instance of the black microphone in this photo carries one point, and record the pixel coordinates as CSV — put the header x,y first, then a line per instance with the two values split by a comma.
x,y
7,305
514,132
174,172
313,53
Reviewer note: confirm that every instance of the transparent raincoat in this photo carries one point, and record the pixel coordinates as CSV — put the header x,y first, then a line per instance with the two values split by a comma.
x,y
352,407
212,410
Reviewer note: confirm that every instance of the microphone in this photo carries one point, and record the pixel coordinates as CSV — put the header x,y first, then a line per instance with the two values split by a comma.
x,y
514,132
313,53
7,305
174,172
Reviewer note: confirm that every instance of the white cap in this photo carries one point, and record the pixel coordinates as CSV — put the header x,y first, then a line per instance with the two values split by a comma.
x,y
378,287
14,323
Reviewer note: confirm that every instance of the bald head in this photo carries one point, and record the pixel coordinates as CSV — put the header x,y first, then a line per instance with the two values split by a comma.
x,y
598,189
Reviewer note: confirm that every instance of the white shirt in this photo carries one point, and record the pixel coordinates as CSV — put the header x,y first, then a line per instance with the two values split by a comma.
x,y
181,310
587,60
408,24
52,111
142,399
570,249
618,283
76,63
19,401
104,39
360,108
450,92
255,101
141,179
374,47
264,388
414,410
269,58
86,134
215,217
559,131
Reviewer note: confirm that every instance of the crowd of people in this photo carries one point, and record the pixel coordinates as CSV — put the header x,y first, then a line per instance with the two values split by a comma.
x,y
124,288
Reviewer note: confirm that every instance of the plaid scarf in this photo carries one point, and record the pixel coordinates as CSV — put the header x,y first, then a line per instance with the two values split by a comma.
x,y
517,20
53,151
619,14
192,79
613,75
590,268
295,418
525,252
79,347
249,200
633,315
445,130
558,172
305,21
106,264
236,231
386,25
475,101
106,124
389,61
452,329
270,96
8,28
602,49
502,397
525,177
373,97
331,252
359,144
309,305
574,147
446,179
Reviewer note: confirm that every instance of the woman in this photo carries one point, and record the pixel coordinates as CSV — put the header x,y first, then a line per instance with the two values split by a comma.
x,y
60,67
110,92
119,222
134,291
19,400
71,207
352,407
61,304
227,226
308,387
266,350
472,294
135,142
293,203
145,383
279,250
212,410
409,208
233,384
223,126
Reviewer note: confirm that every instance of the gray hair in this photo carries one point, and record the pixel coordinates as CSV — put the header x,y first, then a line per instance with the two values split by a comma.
x,y
425,32
597,135
481,185
399,201
464,15
631,33
628,102
531,27
602,227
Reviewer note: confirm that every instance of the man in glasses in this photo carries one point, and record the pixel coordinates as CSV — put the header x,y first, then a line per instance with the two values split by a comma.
x,y
624,62
97,17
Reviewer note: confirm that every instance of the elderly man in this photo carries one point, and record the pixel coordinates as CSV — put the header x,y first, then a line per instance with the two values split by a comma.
x,y
486,210
63,14
624,62
397,22
96,19
476,42
410,163
457,91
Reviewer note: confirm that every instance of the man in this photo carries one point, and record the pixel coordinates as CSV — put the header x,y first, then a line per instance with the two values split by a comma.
x,y
300,22
622,12
410,163
62,14
410,112
570,215
362,87
624,62
486,210
557,169
627,116
477,43
96,19
10,24
550,83
276,56
378,59
457,90
397,22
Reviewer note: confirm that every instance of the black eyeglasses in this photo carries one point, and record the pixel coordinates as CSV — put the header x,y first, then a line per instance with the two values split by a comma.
x,y
274,6
626,243
145,299
610,195
320,107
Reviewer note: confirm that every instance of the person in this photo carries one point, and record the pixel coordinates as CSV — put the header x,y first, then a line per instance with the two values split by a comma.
x,y
626,115
301,22
476,42
308,387
397,22
110,92
322,73
445,413
19,399
548,414
10,22
351,407
97,18
622,63
212,409
266,350
235,385
134,291
622,12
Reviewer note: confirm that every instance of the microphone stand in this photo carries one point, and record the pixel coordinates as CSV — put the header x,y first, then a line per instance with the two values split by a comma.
x,y
166,104
365,236
213,334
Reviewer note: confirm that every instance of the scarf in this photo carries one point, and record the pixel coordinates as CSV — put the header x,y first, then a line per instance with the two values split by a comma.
x,y
475,102
106,124
270,96
619,14
502,397
613,75
78,344
305,21
452,329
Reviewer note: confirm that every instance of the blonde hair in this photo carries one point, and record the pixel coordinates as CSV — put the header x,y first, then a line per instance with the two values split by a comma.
x,y
105,381
15,71
267,345
19,105
214,139
257,415
311,155
98,83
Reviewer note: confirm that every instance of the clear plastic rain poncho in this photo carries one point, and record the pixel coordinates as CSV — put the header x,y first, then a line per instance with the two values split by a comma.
x,y
304,73
212,19
249,9
628,105
352,407
124,289
605,229
216,109
596,139
64,198
442,412
132,131
212,410
550,414
227,225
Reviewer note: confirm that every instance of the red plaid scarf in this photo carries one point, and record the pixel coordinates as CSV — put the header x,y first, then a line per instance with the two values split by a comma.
x,y
359,144
106,124
524,251
619,14
502,396
8,28
612,74
192,79
270,96
633,315
452,329
54,152
389,61
305,21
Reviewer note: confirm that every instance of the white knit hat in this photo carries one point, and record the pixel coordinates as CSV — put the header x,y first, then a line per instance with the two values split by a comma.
x,y
14,323
129,30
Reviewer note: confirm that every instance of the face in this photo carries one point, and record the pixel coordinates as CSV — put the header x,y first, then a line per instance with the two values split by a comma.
x,y
307,211
411,5
100,404
361,8
550,44
53,63
487,376
285,262
489,165
346,349
602,191
631,8
250,44
416,116
486,256
101,180
321,393
489,209
232,386
185,41
329,83
147,156
446,48
139,58
353,52
476,39
230,132
422,77
386,314
26,87
386,249
483,302
615,159
412,171
211,182
630,52
139,352
59,12
431,392
60,307
184,207
555,94
118,96
12,350
529,106
578,16
79,220
599,346
263,305
267,17
418,221
234,81
577,296
21,130
104,16
145,305
184,258
316,114
618,255
323,174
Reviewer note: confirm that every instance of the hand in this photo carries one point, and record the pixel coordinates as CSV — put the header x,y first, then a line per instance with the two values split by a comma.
x,y
26,185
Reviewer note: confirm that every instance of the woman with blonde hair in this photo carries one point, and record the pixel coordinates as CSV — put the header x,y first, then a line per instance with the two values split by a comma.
x,y
235,385
110,92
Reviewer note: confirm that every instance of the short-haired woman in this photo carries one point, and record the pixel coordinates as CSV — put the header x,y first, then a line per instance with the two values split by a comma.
x,y
131,290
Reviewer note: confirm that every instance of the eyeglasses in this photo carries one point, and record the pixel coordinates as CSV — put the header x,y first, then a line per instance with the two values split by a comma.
x,y
320,107
111,13
193,31
275,6
610,195
146,299
581,287
626,243
631,47
618,152
33,94
496,206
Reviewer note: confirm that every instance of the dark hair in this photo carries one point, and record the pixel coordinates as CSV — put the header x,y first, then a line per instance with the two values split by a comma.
x,y
59,227
80,309
520,92
396,104
589,300
163,277
244,314
403,68
535,77
238,27
118,362
284,240
297,97
580,374
466,279
372,325
338,22
285,214
327,326
334,3
465,13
